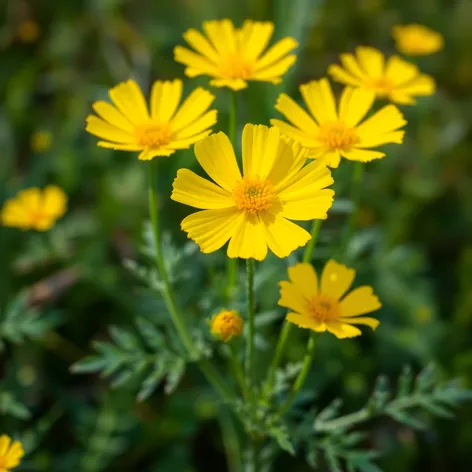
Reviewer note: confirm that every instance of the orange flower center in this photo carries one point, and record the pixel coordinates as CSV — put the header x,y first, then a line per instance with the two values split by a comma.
x,y
37,217
235,67
153,135
253,195
323,308
3,462
337,136
382,86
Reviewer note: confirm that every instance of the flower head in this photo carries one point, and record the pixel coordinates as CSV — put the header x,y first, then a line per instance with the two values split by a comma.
x,y
253,209
128,125
417,40
226,324
329,131
395,79
232,56
10,453
324,306
34,208
41,141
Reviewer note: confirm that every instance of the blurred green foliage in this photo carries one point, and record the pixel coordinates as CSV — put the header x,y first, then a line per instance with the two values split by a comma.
x,y
414,244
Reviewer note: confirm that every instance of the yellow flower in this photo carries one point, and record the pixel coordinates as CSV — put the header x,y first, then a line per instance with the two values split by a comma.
x,y
10,453
129,126
396,79
226,324
253,210
329,132
34,208
28,31
232,56
320,308
417,40
41,141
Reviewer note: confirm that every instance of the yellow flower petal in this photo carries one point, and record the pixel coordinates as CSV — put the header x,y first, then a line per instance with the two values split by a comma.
x,y
221,34
296,114
4,444
193,107
273,72
283,236
360,301
54,201
289,160
363,320
216,155
234,84
354,105
422,85
254,38
292,297
306,322
103,130
198,126
342,330
371,61
276,52
386,120
336,279
340,75
129,99
400,71
248,240
201,44
119,147
211,229
319,98
260,146
165,98
290,131
304,277
196,64
149,154
362,155
180,143
352,67
193,190
111,115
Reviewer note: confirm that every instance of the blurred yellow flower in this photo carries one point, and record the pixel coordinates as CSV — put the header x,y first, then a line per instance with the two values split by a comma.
x,y
319,307
417,40
253,210
394,79
329,131
34,208
227,324
127,125
232,56
41,141
10,453
28,31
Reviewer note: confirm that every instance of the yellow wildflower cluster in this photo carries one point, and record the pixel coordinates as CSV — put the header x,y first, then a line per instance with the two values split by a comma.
x,y
253,208
10,453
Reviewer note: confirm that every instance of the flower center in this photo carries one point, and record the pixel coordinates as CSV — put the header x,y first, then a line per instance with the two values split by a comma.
x,y
337,136
323,308
3,462
235,67
381,85
253,195
153,135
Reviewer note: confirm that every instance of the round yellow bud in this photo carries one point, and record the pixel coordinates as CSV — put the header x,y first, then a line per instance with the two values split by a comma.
x,y
227,324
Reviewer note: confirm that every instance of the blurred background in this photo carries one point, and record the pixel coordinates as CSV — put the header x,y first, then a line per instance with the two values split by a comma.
x,y
414,243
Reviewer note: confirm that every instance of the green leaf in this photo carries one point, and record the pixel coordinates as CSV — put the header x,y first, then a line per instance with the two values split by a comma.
x,y
175,373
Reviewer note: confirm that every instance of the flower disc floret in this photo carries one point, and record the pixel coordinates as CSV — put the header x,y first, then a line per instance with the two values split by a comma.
x,y
254,195
226,324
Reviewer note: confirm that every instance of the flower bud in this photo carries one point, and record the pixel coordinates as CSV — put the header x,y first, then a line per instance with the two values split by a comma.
x,y
226,324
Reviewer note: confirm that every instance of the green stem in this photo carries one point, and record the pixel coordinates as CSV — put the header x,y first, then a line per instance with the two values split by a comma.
x,y
230,441
315,230
251,320
299,382
232,267
238,369
287,327
205,366
168,296
253,455
355,199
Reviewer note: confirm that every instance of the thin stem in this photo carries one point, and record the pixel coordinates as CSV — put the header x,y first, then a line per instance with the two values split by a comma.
x,y
355,198
251,319
238,368
299,382
205,366
168,296
287,327
315,230
230,441
232,263
253,455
